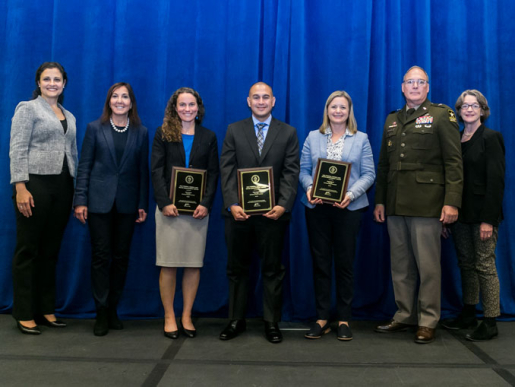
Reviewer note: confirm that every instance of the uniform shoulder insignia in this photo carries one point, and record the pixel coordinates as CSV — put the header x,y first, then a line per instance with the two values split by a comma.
x,y
452,116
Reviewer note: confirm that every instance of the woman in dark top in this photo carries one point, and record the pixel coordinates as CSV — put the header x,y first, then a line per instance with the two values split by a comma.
x,y
475,233
112,193
181,239
43,154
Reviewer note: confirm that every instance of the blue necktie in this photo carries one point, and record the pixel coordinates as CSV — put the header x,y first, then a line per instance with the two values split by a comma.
x,y
260,136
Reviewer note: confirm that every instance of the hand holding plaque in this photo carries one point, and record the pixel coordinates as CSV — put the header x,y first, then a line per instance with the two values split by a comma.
x,y
187,188
331,180
256,190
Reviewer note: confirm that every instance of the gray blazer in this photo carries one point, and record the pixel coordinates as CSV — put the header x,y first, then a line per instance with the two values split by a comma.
x,y
38,142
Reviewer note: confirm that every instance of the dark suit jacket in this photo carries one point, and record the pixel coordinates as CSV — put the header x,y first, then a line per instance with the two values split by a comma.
x,y
280,151
165,155
483,167
101,182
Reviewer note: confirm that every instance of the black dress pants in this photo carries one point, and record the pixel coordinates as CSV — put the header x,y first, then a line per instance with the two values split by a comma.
x,y
268,237
111,236
333,234
38,240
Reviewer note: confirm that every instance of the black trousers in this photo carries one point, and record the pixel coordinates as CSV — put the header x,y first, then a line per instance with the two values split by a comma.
x,y
111,236
267,236
38,240
333,234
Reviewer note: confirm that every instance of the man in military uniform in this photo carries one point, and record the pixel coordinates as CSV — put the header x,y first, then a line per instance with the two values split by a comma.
x,y
419,184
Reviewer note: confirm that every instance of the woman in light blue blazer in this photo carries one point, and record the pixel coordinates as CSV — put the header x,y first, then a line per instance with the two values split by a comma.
x,y
333,228
112,195
43,152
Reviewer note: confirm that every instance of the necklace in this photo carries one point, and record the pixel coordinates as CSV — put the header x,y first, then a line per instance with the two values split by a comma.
x,y
119,130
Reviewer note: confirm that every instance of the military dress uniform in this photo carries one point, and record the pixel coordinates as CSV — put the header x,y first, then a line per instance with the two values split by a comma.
x,y
420,170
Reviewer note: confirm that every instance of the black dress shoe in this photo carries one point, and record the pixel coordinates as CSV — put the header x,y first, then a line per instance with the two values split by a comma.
x,y
317,331
344,333
272,332
392,326
113,320
101,327
460,322
28,331
483,332
233,329
172,335
52,324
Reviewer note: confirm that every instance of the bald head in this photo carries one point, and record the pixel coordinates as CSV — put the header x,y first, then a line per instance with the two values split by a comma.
x,y
261,100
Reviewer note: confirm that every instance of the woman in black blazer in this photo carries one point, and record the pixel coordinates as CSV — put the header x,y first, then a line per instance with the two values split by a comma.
x,y
112,193
180,240
475,233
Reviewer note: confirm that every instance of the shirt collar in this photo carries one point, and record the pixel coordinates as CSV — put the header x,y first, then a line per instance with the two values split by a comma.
x,y
267,121
329,132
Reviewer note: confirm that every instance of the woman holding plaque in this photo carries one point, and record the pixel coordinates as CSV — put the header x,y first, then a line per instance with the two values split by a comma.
x,y
476,231
181,238
333,228
112,195
43,152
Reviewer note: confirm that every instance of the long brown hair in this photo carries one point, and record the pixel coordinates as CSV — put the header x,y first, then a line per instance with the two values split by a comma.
x,y
133,112
172,125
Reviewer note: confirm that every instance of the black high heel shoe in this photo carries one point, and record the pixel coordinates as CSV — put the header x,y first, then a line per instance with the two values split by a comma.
x,y
191,333
172,335
42,320
28,331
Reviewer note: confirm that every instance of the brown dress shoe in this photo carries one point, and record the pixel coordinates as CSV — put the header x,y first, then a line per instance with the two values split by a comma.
x,y
392,326
425,335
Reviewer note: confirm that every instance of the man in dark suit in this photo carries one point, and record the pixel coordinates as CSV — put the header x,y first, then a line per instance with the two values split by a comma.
x,y
419,184
258,141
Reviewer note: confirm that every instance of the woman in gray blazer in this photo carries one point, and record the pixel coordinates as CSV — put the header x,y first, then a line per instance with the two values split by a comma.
x,y
112,194
43,153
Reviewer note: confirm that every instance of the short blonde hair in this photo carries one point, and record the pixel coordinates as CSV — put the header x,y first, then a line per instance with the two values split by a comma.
x,y
352,125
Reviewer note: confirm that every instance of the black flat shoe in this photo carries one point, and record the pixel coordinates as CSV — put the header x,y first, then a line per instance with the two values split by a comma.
x,y
344,333
52,324
483,332
233,329
460,322
317,331
273,333
28,331
172,335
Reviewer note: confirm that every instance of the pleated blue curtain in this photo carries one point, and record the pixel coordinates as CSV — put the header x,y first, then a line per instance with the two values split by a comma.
x,y
305,49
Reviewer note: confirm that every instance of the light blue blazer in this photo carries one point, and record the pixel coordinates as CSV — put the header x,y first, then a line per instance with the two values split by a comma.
x,y
356,150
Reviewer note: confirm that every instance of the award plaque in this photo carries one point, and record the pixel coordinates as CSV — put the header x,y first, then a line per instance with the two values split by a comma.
x,y
187,188
331,180
256,190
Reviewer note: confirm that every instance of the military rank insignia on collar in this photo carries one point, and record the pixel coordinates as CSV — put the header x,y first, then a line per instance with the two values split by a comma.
x,y
427,119
452,116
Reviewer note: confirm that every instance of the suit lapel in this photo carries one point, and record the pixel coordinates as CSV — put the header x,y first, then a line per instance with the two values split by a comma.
x,y
197,140
322,145
131,139
108,135
273,132
347,146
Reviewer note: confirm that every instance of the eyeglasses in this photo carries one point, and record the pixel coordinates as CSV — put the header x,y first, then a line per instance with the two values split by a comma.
x,y
419,82
474,106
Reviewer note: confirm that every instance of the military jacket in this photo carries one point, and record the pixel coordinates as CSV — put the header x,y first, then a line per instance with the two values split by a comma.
x,y
420,167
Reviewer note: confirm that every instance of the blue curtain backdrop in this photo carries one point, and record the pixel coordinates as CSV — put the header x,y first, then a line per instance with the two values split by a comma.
x,y
305,49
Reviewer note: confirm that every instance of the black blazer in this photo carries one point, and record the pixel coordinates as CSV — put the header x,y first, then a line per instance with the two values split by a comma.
x,y
280,151
483,166
102,182
165,155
